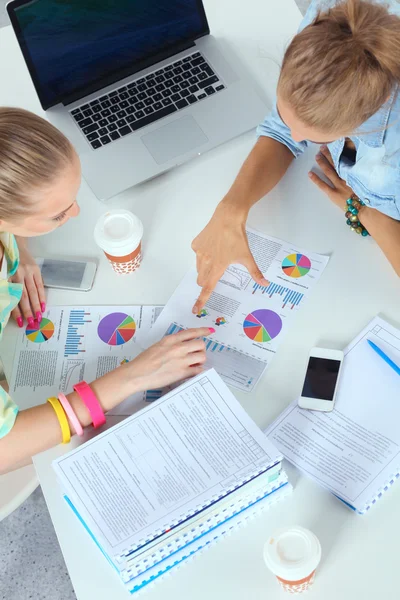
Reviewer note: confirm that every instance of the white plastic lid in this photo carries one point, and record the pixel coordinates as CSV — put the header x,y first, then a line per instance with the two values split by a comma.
x,y
118,232
293,553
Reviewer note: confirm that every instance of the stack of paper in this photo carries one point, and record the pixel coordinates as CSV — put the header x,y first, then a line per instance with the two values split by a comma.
x,y
353,451
170,480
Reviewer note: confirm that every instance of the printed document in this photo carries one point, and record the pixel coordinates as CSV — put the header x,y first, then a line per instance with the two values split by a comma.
x,y
250,320
168,461
354,451
72,344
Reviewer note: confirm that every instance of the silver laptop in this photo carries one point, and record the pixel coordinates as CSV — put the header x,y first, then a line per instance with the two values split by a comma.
x,y
138,86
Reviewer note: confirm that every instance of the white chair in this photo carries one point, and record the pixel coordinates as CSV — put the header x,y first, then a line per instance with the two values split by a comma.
x,y
15,488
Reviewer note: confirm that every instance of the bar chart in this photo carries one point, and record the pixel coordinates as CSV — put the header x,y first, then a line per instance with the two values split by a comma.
x,y
236,368
289,296
75,332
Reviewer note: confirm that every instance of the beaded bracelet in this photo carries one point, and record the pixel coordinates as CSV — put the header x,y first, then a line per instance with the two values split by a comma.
x,y
352,208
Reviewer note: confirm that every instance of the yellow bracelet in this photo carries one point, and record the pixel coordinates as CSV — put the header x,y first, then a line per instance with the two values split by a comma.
x,y
62,419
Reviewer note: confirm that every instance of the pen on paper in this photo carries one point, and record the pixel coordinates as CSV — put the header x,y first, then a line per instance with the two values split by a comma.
x,y
385,357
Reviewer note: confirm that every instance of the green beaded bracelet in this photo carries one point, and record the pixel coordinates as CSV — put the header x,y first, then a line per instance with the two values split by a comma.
x,y
352,209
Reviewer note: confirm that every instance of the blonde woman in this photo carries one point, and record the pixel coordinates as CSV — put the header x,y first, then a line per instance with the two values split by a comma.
x,y
39,179
338,87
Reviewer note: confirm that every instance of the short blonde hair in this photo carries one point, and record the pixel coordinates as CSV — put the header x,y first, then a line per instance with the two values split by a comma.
x,y
339,70
32,154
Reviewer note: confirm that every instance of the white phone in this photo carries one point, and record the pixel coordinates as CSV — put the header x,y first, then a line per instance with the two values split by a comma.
x,y
67,274
321,380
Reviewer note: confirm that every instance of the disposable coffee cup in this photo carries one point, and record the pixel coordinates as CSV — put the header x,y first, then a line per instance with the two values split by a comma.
x,y
293,555
119,234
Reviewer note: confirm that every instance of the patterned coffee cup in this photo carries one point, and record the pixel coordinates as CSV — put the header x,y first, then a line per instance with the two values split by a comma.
x,y
119,234
123,265
293,555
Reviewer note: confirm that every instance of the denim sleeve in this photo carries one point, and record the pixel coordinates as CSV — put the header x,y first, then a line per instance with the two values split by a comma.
x,y
273,127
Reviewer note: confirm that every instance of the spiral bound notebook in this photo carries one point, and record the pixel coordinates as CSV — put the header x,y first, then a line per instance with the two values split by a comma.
x,y
209,538
353,451
174,465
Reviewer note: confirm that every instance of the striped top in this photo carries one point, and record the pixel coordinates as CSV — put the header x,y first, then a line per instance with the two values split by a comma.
x,y
10,295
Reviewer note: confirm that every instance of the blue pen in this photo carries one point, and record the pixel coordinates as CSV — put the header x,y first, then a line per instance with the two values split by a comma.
x,y
384,356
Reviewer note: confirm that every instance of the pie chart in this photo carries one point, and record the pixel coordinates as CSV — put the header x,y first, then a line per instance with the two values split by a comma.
x,y
40,332
262,325
116,329
296,265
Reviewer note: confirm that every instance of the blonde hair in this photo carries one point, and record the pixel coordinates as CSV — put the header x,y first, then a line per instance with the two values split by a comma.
x,y
32,154
339,70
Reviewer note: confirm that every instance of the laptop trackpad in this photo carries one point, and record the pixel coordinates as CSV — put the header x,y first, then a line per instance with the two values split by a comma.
x,y
176,138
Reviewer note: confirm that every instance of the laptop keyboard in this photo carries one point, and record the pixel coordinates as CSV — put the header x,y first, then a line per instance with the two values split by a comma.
x,y
146,100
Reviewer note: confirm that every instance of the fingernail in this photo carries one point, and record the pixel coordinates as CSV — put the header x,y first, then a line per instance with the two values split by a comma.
x,y
195,310
43,307
310,174
264,282
323,147
212,330
20,322
38,316
30,321
318,156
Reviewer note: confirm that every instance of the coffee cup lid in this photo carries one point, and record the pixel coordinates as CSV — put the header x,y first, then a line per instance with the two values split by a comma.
x,y
118,232
293,553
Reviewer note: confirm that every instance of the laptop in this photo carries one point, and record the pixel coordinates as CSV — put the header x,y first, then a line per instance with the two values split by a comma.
x,y
138,86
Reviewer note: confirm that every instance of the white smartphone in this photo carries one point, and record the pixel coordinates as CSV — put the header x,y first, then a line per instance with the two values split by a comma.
x,y
67,274
321,380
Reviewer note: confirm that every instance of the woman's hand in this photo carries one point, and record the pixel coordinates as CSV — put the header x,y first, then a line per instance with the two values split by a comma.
x,y
221,243
174,358
338,191
33,300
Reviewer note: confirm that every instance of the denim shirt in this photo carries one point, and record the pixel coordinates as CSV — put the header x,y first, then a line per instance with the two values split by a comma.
x,y
375,176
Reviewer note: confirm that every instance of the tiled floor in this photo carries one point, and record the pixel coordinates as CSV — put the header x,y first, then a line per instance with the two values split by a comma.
x,y
31,563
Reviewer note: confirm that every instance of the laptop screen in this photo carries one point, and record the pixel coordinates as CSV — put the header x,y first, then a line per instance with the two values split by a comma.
x,y
74,47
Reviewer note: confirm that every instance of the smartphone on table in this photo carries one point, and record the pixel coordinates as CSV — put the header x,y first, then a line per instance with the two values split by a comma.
x,y
321,380
76,274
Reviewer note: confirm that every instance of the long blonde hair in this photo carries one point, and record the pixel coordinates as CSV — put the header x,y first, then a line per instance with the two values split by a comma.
x,y
32,154
339,70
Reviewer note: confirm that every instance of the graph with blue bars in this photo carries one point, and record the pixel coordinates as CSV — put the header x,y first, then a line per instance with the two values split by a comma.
x,y
289,296
236,368
210,344
75,333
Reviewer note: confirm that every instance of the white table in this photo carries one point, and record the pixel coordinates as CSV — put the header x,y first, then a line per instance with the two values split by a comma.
x,y
359,553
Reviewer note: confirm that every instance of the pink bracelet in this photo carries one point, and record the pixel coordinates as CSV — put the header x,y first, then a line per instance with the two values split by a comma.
x,y
92,404
69,411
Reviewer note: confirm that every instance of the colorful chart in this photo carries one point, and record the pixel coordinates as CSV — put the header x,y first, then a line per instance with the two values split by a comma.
x,y
202,313
220,321
116,329
296,265
262,325
40,332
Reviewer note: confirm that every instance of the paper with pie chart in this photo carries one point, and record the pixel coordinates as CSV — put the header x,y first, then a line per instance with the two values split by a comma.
x,y
75,343
249,319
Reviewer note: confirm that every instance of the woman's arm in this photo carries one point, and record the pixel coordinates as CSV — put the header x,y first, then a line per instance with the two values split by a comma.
x,y
386,233
224,241
33,299
36,429
384,229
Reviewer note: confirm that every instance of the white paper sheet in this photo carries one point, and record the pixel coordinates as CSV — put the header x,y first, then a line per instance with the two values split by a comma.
x,y
172,459
354,451
80,343
250,320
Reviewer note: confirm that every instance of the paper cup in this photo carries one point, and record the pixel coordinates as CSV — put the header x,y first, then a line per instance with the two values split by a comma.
x,y
293,555
119,234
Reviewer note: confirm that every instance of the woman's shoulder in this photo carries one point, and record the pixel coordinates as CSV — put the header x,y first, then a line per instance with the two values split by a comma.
x,y
10,252
391,139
